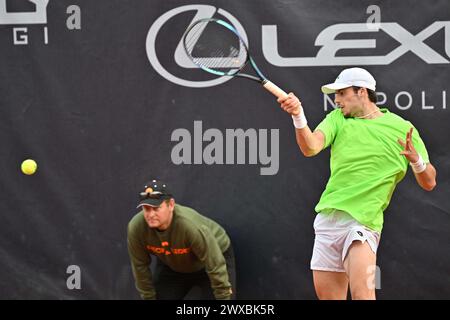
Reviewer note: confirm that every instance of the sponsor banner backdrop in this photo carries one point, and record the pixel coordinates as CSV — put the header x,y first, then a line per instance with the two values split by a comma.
x,y
100,94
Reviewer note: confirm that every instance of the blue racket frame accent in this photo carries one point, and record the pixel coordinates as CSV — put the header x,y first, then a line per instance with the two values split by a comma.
x,y
261,78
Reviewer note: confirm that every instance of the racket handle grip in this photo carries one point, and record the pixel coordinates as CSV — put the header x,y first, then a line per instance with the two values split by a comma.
x,y
274,89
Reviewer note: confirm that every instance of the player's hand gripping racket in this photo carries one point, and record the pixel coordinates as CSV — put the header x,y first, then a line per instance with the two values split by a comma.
x,y
215,46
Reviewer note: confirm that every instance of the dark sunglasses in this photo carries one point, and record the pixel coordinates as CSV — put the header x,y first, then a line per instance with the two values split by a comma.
x,y
157,196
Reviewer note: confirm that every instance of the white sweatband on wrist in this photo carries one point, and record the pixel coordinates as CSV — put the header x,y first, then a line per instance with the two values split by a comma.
x,y
418,166
300,120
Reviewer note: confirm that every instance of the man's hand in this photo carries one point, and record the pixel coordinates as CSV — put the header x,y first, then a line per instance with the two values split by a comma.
x,y
409,152
290,104
426,178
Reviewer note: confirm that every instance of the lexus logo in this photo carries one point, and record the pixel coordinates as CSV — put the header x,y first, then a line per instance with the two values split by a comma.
x,y
328,40
180,57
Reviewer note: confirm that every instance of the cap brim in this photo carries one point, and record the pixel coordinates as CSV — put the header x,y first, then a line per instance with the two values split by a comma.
x,y
150,202
332,87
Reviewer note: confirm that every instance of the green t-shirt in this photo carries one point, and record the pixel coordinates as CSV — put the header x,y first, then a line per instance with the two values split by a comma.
x,y
365,164
191,243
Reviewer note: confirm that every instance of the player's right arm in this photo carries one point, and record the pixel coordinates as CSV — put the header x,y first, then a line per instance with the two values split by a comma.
x,y
140,265
310,143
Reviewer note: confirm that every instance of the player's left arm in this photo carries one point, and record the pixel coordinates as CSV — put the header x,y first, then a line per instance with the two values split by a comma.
x,y
207,250
425,173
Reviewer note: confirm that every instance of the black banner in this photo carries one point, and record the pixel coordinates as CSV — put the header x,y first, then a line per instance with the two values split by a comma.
x,y
100,95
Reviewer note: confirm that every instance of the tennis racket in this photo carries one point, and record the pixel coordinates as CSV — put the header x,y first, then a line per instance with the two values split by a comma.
x,y
216,47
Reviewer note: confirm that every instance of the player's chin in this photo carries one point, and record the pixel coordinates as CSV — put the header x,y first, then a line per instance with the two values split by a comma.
x,y
153,224
345,113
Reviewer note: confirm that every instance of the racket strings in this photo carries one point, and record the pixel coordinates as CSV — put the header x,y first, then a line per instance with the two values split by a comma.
x,y
192,37
211,45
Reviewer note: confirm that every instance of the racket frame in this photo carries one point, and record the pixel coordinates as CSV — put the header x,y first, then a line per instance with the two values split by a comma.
x,y
267,84
260,78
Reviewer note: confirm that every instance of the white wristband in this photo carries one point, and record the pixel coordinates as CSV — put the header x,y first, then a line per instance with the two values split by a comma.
x,y
418,166
300,120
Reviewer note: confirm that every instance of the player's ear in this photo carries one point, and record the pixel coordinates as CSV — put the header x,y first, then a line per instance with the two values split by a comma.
x,y
362,91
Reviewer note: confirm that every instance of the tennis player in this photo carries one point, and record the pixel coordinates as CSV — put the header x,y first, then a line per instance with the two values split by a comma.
x,y
368,160
192,250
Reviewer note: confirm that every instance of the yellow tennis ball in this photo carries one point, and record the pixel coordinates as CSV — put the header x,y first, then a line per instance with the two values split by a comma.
x,y
29,166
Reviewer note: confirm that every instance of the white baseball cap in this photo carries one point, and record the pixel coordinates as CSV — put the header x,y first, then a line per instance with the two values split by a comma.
x,y
357,77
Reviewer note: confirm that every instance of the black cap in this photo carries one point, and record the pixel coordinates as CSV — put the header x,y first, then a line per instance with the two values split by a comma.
x,y
154,193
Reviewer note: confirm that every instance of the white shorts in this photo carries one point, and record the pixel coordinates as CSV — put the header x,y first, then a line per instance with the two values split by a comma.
x,y
335,232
